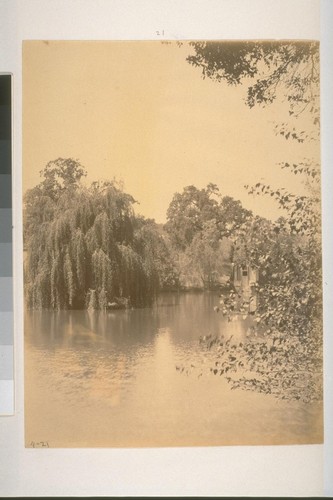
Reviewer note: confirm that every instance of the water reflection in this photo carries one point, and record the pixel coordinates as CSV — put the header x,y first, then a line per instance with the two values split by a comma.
x,y
185,319
110,379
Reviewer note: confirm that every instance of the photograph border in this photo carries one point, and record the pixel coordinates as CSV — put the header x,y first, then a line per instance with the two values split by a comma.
x,y
298,470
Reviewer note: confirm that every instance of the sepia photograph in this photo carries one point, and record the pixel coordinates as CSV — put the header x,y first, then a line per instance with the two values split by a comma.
x,y
172,243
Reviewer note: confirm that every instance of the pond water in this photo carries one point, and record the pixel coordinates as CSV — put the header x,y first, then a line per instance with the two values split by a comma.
x,y
116,379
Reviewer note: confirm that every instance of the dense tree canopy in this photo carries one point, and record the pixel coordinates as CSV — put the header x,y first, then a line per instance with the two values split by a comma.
x,y
198,224
85,246
190,210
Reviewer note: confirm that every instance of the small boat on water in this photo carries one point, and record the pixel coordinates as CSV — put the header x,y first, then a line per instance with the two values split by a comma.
x,y
114,305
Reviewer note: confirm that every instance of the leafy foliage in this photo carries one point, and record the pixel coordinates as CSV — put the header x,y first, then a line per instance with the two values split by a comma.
x,y
85,246
289,69
206,259
199,222
283,354
187,213
279,365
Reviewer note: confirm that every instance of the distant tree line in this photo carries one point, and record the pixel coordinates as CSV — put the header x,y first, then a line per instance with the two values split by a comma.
x,y
199,225
86,247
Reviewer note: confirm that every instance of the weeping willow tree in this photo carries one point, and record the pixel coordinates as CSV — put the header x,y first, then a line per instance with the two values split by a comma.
x,y
85,245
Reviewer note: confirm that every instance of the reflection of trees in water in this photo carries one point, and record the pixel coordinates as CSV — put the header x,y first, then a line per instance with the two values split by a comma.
x,y
89,355
189,317
127,329
70,328
104,348
182,314
45,328
193,316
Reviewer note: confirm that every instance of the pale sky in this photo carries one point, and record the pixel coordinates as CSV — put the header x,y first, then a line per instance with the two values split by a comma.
x,y
137,111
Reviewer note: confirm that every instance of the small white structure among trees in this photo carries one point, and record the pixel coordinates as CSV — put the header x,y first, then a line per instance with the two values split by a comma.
x,y
245,278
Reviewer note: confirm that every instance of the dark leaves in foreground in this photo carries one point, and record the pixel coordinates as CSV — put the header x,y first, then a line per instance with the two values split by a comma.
x,y
286,367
